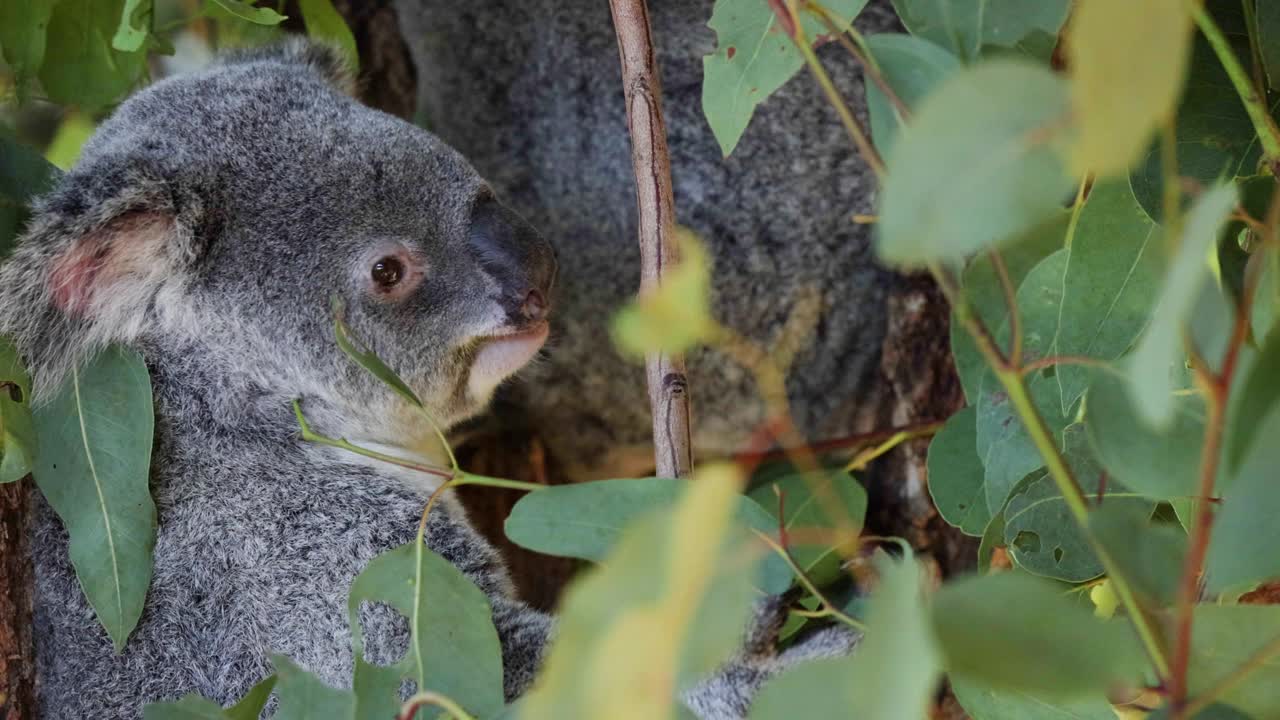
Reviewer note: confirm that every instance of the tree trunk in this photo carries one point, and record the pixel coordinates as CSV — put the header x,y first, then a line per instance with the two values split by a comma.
x,y
17,659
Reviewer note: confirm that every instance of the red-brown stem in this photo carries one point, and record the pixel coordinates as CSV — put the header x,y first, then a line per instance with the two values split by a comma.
x,y
750,458
1102,486
1051,360
668,382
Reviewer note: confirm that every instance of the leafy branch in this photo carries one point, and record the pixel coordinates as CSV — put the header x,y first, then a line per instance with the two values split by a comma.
x,y
1263,124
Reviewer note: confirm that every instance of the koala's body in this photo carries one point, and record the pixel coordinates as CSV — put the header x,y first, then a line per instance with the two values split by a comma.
x,y
531,92
208,224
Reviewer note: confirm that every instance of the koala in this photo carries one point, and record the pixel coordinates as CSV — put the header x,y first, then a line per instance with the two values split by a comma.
x,y
208,224
531,92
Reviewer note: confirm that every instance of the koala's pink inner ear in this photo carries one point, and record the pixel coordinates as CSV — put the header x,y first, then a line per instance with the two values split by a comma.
x,y
131,246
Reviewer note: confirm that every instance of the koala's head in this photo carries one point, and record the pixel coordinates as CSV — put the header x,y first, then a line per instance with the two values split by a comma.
x,y
214,216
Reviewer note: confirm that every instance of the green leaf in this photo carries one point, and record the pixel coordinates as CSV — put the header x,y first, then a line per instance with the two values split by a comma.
x,y
893,674
95,439
965,26
135,26
73,132
983,703
245,10
1215,137
1162,464
805,503
1162,344
1042,535
367,358
992,538
1010,631
1267,27
1255,396
18,443
84,71
1216,711
982,291
676,315
1150,555
956,474
194,707
1114,266
454,648
754,56
1266,296
586,520
668,605
1119,103
992,126
326,23
1223,637
1245,526
23,26
304,697
1003,443
912,67
24,174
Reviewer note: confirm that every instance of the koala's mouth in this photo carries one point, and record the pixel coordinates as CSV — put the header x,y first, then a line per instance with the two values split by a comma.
x,y
502,354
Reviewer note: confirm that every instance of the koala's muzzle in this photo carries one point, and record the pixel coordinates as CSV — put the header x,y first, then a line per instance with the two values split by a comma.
x,y
519,260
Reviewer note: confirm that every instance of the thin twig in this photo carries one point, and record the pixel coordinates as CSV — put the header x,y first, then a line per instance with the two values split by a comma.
x,y
834,611
1263,124
410,708
1011,305
667,379
310,436
869,66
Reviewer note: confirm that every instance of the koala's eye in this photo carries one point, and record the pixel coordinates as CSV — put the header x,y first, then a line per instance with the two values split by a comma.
x,y
387,272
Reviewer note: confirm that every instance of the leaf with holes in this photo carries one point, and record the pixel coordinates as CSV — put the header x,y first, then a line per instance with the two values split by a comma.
x,y
965,26
993,127
1003,443
1113,273
956,474
453,648
95,436
754,56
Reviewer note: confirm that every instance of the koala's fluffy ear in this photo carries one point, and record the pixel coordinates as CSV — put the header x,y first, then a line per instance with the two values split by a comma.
x,y
327,61
113,235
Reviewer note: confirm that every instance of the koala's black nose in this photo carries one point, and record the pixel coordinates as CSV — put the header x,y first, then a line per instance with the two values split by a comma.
x,y
521,262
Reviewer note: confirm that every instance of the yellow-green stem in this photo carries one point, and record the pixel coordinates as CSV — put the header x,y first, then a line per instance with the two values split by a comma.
x,y
851,124
1263,124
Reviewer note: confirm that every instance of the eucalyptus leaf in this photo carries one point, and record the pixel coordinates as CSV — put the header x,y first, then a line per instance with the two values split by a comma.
x,y
892,675
983,703
1245,524
325,23
985,297
135,20
805,506
911,66
194,707
1162,464
95,439
245,10
454,647
23,28
956,474
1267,26
1223,637
586,520
1114,266
18,442
304,697
677,314
965,26
1214,136
993,126
1149,555
1118,102
1161,345
1266,296
754,56
1254,395
89,73
24,174
1011,631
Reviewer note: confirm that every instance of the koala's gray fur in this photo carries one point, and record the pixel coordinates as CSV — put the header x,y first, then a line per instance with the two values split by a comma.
x,y
208,224
530,91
